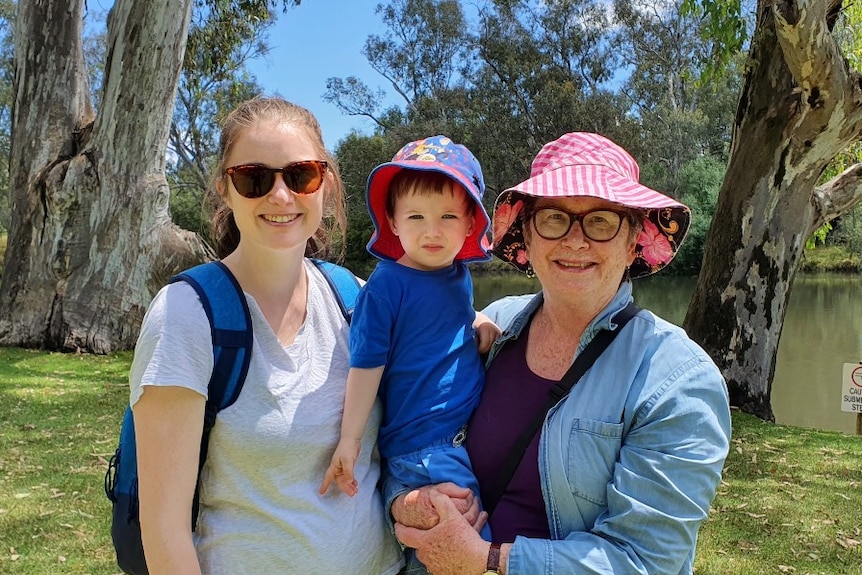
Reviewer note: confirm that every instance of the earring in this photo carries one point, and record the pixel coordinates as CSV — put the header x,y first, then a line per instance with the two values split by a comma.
x,y
627,277
531,273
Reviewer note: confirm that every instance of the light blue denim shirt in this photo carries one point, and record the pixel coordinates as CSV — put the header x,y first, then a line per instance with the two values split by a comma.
x,y
630,461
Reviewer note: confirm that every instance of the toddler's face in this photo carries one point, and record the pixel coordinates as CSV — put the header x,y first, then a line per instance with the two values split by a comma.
x,y
432,227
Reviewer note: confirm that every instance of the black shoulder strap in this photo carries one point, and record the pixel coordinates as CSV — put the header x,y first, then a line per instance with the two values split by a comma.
x,y
578,368
230,322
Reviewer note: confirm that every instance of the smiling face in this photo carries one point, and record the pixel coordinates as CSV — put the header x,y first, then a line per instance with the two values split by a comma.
x,y
432,226
281,219
577,268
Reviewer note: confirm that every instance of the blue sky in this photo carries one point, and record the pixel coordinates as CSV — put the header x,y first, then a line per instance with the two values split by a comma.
x,y
316,40
309,43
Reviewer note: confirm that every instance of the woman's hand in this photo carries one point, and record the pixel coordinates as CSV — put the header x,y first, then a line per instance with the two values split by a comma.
x,y
453,546
416,509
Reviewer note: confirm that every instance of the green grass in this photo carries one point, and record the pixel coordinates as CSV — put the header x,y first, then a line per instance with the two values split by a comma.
x,y
60,421
789,502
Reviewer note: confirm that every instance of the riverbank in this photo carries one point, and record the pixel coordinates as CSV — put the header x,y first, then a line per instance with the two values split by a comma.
x,y
831,259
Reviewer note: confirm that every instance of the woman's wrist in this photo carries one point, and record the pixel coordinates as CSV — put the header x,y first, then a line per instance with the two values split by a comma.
x,y
396,510
504,558
499,562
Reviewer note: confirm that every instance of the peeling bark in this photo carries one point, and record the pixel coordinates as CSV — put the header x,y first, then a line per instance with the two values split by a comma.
x,y
90,238
800,106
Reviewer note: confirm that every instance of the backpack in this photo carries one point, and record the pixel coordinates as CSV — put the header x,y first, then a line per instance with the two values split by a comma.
x,y
227,311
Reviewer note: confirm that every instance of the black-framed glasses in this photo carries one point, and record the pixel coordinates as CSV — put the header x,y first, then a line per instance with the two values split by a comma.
x,y
255,180
597,225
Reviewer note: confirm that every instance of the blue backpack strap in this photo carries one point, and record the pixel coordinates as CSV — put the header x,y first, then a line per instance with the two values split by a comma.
x,y
227,310
344,285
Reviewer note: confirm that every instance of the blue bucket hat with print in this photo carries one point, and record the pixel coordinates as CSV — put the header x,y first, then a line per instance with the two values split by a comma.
x,y
434,154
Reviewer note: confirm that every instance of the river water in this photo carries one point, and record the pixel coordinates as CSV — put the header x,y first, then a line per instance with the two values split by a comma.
x,y
822,331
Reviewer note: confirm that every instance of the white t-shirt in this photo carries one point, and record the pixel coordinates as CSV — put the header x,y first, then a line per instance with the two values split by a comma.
x,y
260,511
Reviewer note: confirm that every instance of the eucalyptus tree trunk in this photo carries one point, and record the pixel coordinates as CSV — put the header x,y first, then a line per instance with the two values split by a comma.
x,y
90,237
800,106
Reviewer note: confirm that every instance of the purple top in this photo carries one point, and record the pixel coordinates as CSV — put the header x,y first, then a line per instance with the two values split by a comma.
x,y
511,397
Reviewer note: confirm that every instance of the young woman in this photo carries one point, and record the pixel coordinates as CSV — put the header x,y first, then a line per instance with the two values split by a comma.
x,y
259,511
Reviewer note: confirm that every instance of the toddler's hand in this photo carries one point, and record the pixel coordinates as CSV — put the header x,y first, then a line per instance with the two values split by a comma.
x,y
340,470
487,332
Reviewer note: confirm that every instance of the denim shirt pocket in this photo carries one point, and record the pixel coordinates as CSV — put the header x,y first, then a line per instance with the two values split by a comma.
x,y
593,450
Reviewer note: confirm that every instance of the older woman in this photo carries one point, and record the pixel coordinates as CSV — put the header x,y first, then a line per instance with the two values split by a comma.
x,y
622,472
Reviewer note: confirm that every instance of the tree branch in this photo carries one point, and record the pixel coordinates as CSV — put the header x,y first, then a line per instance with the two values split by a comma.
x,y
811,53
837,196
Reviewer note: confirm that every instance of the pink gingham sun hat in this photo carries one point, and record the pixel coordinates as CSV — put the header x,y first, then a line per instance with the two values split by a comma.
x,y
581,164
434,154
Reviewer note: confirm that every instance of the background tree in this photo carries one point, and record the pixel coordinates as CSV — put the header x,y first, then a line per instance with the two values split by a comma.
x,y
518,74
682,117
800,106
684,108
7,67
90,236
95,40
214,80
697,186
422,54
846,230
357,156
544,70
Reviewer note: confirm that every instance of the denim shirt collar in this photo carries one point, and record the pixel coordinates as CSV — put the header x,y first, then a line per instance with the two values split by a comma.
x,y
603,320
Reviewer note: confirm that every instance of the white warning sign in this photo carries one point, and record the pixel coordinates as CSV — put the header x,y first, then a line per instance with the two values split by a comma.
x,y
851,395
